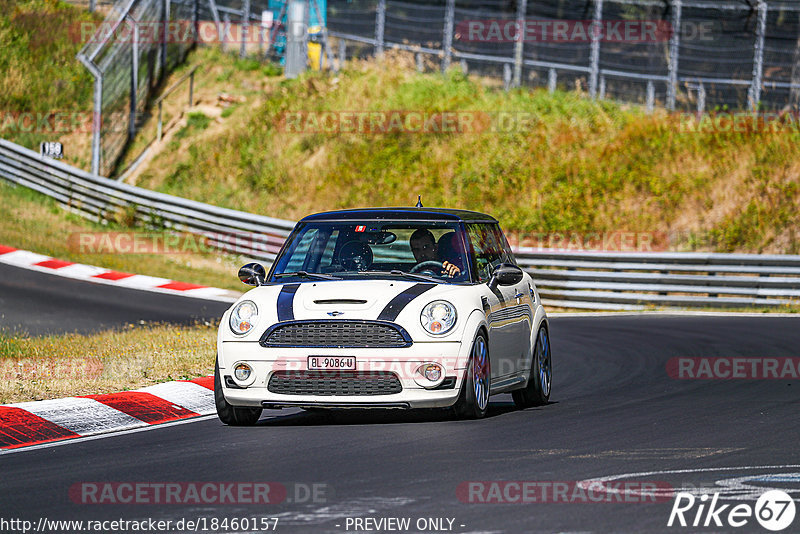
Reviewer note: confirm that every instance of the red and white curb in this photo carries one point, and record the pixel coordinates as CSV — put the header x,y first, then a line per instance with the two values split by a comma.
x,y
37,422
100,275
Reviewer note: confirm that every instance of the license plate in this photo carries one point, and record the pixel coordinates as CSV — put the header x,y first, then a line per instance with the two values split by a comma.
x,y
331,363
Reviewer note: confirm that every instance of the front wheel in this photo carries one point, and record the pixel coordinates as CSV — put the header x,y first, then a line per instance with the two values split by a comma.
x,y
537,392
232,415
473,401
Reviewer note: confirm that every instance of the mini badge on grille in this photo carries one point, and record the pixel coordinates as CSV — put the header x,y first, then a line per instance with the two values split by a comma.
x,y
335,313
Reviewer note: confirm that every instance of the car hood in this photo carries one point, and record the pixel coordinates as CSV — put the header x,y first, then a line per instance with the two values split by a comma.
x,y
399,301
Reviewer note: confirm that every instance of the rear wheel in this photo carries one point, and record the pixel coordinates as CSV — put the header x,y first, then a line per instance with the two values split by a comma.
x,y
537,392
473,401
232,415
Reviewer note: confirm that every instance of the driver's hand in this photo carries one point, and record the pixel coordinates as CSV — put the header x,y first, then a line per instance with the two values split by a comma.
x,y
450,269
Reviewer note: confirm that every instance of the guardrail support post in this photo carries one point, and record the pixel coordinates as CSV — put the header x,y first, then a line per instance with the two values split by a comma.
x,y
380,24
651,96
447,34
552,79
602,89
758,56
674,49
595,51
342,52
506,76
701,99
418,62
519,44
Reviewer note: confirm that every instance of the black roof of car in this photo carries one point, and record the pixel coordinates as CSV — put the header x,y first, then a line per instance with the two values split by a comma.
x,y
401,214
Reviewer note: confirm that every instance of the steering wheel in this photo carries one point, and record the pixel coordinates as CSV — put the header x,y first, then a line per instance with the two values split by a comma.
x,y
432,266
355,256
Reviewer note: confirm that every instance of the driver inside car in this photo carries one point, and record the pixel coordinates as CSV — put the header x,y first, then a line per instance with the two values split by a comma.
x,y
423,246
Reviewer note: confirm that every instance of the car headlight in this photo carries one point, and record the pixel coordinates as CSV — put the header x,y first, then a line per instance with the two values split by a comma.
x,y
438,317
243,317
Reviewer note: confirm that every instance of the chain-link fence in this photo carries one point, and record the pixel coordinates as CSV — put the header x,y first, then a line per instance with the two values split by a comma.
x,y
682,54
142,40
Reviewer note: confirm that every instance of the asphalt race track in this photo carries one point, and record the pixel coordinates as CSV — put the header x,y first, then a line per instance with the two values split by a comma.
x,y
615,411
39,303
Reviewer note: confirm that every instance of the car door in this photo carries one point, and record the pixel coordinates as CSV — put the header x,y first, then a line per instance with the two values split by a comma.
x,y
520,308
488,254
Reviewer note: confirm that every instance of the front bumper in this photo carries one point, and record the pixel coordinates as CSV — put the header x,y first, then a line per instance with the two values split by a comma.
x,y
403,362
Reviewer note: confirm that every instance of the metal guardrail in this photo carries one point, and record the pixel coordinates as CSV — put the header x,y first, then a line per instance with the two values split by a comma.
x,y
591,280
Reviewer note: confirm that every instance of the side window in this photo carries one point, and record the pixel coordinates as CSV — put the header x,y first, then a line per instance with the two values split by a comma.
x,y
488,252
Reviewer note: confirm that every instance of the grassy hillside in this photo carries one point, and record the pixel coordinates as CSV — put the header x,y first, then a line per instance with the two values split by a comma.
x,y
39,74
571,165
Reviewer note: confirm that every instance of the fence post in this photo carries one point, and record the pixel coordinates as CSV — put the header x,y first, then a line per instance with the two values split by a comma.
x,y
522,10
595,51
226,31
91,6
651,96
164,39
97,122
506,76
447,34
380,23
674,50
552,79
196,21
418,61
191,89
245,27
758,56
602,90
134,78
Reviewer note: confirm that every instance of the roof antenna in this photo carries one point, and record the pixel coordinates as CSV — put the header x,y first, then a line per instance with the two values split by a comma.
x,y
419,201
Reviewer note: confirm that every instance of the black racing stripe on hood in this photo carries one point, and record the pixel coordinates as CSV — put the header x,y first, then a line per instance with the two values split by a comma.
x,y
286,302
396,305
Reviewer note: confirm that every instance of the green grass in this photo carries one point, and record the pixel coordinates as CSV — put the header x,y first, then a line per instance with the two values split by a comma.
x,y
573,165
37,223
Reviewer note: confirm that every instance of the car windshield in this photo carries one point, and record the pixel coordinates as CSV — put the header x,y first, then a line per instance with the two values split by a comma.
x,y
432,251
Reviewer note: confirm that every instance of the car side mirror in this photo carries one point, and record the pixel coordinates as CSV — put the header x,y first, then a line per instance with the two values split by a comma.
x,y
253,274
506,275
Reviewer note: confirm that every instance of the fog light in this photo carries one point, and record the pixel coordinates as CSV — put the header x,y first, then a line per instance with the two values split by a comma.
x,y
432,372
429,375
242,372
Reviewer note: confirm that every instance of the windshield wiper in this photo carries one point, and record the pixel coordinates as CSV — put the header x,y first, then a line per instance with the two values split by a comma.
x,y
413,276
304,274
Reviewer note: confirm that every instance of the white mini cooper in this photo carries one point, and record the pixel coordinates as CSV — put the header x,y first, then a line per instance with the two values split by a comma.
x,y
385,308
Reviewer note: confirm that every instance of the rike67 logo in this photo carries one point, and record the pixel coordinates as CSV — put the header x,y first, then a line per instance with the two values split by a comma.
x,y
774,510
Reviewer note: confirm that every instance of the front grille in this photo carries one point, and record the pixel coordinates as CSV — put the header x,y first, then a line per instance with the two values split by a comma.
x,y
336,333
343,383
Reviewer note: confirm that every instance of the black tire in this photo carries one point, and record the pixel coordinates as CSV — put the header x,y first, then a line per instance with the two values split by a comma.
x,y
468,405
540,381
232,415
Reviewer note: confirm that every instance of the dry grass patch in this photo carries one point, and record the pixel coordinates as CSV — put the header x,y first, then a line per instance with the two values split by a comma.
x,y
48,367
